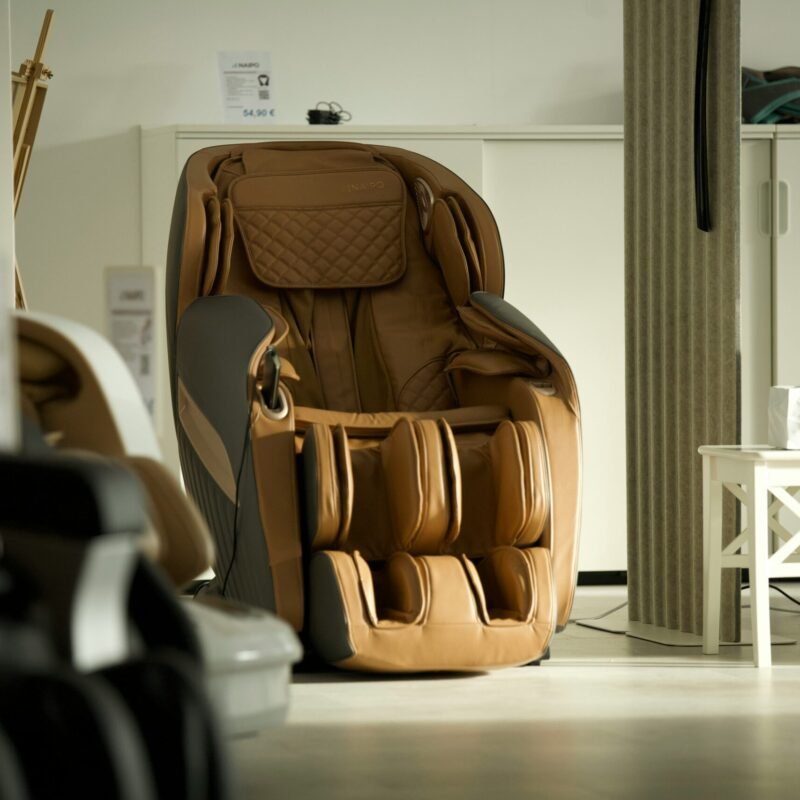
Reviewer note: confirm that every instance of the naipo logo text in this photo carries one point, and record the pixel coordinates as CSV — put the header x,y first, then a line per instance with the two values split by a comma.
x,y
363,186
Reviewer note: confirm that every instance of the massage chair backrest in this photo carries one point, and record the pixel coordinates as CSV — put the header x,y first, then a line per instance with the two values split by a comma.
x,y
78,393
385,239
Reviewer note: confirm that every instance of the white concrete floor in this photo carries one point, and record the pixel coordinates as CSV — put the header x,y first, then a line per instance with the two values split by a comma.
x,y
606,717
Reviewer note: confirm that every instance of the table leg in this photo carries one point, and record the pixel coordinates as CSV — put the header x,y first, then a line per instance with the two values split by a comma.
x,y
712,558
758,523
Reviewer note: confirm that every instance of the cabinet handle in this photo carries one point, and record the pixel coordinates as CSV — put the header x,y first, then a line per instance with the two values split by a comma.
x,y
702,201
783,208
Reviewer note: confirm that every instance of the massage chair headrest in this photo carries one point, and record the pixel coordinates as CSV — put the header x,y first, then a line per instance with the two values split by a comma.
x,y
311,220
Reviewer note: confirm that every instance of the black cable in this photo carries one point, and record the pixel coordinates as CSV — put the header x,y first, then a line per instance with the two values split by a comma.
x,y
622,605
599,616
779,590
701,188
245,448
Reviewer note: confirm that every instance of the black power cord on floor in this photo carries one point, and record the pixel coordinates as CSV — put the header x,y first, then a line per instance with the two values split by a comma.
x,y
599,616
780,591
744,586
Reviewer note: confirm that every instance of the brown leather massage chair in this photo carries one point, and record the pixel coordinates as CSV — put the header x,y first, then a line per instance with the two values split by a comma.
x,y
387,453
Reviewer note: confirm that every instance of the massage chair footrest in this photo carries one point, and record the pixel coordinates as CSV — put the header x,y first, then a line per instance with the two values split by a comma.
x,y
432,613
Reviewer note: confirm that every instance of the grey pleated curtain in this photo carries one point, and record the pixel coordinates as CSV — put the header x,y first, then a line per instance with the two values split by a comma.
x,y
681,302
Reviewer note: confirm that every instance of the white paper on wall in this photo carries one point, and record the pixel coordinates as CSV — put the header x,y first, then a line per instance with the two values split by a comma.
x,y
246,84
130,310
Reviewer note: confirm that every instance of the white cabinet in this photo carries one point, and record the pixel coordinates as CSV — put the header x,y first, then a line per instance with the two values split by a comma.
x,y
785,186
557,194
559,205
755,288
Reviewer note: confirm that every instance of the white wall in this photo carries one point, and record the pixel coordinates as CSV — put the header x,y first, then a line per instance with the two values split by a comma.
x,y
152,62
769,33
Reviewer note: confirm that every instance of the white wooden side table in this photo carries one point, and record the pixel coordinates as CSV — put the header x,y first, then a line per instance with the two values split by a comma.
x,y
760,478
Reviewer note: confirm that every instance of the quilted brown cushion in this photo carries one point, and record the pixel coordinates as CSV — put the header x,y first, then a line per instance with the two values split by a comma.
x,y
327,247
342,229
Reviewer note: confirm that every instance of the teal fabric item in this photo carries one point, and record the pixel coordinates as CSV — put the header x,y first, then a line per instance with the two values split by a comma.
x,y
771,97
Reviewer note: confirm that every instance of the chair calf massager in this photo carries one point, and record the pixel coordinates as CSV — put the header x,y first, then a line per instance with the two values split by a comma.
x,y
387,453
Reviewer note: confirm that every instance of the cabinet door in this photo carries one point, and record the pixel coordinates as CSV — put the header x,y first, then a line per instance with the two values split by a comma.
x,y
786,261
755,289
560,208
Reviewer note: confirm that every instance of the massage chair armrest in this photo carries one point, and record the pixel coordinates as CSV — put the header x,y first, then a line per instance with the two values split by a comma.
x,y
502,311
218,341
237,453
551,402
492,317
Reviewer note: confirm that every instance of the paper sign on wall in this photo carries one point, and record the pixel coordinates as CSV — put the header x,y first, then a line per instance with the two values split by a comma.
x,y
246,81
130,304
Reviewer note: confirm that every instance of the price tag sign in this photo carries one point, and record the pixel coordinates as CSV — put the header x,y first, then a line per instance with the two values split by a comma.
x,y
130,322
246,81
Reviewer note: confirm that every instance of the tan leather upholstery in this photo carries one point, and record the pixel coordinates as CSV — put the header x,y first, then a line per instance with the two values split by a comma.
x,y
184,549
522,482
329,486
431,612
422,485
414,500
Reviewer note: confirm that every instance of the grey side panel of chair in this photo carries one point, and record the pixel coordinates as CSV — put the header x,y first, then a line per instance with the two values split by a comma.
x,y
216,340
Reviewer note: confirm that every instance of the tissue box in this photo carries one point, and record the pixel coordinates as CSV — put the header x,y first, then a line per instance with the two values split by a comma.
x,y
784,417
